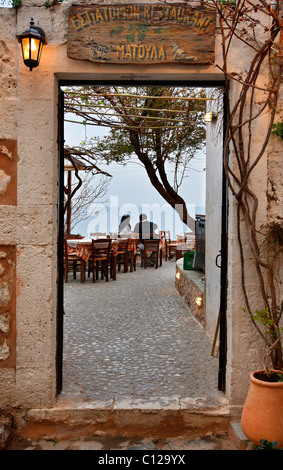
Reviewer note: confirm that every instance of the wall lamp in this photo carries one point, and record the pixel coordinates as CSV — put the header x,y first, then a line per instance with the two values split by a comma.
x,y
210,116
198,301
32,41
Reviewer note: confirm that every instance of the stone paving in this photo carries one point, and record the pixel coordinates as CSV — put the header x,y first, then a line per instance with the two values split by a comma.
x,y
208,442
136,338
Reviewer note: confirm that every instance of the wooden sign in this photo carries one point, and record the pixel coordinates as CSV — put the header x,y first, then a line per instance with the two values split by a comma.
x,y
141,33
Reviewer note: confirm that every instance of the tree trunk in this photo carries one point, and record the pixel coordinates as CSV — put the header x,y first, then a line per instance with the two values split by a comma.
x,y
170,196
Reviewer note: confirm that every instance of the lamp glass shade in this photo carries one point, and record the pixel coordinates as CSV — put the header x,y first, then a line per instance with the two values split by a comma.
x,y
209,116
31,49
198,301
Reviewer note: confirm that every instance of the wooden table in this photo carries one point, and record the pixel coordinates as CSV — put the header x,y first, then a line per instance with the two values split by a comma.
x,y
82,248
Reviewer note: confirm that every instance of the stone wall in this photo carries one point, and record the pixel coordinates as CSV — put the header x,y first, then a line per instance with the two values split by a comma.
x,y
213,208
8,206
28,213
28,205
190,286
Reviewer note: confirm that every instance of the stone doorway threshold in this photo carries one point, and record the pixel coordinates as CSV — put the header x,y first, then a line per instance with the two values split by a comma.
x,y
158,419
41,434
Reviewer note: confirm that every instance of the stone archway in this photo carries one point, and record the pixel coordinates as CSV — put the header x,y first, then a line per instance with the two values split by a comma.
x,y
28,240
216,295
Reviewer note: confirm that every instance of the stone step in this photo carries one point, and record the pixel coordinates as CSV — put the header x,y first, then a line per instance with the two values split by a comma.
x,y
190,418
238,438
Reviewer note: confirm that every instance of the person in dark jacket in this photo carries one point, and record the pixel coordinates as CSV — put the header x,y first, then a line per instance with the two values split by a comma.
x,y
145,228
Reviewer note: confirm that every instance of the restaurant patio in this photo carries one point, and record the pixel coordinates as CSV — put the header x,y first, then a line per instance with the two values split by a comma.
x,y
135,338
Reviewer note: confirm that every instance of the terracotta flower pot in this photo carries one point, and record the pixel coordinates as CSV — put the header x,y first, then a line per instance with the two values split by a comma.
x,y
262,416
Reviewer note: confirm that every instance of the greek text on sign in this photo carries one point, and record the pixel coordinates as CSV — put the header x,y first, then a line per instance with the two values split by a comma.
x,y
141,33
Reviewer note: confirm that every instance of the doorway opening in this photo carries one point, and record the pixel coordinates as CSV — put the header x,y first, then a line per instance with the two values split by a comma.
x,y
130,337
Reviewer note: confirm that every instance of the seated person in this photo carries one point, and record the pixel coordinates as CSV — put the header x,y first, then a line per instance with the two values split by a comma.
x,y
124,227
146,229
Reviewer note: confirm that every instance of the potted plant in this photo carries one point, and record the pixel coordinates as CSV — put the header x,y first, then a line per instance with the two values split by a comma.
x,y
262,416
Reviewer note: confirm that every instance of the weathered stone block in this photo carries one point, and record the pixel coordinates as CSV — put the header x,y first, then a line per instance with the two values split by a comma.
x,y
36,224
36,306
34,386
7,306
8,229
37,176
8,172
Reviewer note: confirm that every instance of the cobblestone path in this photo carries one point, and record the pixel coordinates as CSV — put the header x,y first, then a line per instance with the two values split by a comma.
x,y
134,338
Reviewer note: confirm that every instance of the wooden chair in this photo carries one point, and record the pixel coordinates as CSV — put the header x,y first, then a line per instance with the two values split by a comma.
x,y
170,246
138,242
150,247
123,254
100,258
71,261
162,237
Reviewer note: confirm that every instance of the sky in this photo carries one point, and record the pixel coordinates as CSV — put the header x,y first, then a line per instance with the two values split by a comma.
x,y
130,192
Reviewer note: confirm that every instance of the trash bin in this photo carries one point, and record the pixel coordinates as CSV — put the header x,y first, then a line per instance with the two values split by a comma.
x,y
188,262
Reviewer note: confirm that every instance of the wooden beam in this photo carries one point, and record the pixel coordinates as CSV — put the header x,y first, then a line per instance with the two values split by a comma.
x,y
137,116
182,98
128,127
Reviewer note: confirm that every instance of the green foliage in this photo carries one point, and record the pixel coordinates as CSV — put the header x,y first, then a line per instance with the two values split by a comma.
x,y
116,147
267,445
278,129
177,142
16,3
229,3
264,318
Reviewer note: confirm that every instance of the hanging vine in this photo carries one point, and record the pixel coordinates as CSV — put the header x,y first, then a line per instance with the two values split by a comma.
x,y
258,26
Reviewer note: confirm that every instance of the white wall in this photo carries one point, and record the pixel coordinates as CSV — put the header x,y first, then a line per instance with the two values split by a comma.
x,y
214,161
